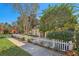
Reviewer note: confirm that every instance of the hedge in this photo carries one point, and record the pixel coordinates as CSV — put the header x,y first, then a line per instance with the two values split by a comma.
x,y
66,35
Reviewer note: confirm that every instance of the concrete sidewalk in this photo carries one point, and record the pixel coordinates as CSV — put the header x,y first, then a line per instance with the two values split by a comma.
x,y
16,42
35,50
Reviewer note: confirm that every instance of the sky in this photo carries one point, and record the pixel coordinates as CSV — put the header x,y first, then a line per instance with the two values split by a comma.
x,y
8,14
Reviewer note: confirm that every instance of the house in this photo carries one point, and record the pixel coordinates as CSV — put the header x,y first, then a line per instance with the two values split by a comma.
x,y
35,31
14,29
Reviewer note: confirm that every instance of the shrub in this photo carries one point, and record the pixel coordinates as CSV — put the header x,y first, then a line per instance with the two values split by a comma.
x,y
23,39
77,39
77,49
66,36
6,31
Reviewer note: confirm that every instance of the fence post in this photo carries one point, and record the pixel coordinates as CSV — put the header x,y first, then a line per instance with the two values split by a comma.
x,y
53,43
66,44
58,44
70,45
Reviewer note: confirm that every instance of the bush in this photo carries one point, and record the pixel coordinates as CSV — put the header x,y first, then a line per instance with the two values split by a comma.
x,y
66,36
77,39
77,49
6,31
4,35
23,39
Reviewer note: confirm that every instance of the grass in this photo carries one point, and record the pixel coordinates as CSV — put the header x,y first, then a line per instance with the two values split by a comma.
x,y
9,49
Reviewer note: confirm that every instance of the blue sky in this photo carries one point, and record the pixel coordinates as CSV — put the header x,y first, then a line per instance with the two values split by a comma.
x,y
7,13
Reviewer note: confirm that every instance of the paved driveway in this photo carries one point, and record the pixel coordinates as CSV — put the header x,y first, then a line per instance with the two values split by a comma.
x,y
35,50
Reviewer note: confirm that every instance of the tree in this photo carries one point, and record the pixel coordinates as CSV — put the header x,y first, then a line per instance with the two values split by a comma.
x,y
60,16
19,25
26,11
55,17
7,28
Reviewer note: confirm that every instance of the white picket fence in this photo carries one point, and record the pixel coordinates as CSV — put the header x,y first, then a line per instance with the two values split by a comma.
x,y
54,44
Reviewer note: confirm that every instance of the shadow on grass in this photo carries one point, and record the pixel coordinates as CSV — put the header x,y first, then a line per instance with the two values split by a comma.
x,y
14,51
5,35
2,37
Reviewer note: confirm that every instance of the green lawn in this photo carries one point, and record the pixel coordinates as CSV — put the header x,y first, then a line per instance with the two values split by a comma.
x,y
9,49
